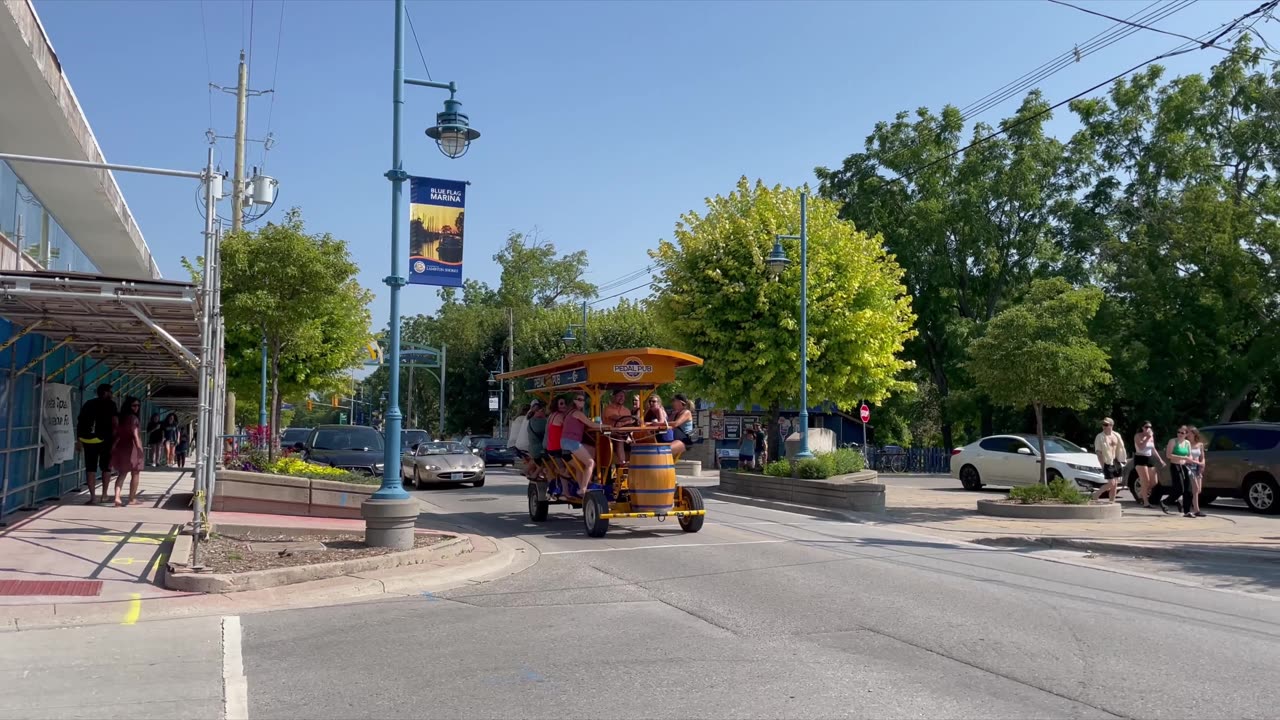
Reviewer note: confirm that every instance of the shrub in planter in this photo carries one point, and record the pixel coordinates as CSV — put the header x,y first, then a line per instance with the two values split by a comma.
x,y
1059,490
820,466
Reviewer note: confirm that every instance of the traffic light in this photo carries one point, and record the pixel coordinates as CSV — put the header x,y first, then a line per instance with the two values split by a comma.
x,y
335,401
310,405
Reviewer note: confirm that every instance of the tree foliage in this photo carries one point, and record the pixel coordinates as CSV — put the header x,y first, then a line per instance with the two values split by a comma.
x,y
1038,352
719,302
299,291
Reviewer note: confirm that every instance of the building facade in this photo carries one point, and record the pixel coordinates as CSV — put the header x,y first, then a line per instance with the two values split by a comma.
x,y
52,219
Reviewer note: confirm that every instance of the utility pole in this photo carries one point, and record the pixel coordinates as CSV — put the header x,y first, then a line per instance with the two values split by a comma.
x,y
511,351
242,111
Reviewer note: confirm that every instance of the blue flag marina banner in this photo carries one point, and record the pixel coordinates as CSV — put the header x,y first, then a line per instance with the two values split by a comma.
x,y
435,231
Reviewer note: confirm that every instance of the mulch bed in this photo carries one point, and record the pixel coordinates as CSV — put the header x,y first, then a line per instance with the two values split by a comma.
x,y
245,552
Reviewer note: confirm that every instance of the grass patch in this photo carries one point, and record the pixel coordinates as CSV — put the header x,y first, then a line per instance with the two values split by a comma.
x,y
1058,490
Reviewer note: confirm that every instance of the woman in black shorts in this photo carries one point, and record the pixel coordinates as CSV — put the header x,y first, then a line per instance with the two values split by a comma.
x,y
1145,456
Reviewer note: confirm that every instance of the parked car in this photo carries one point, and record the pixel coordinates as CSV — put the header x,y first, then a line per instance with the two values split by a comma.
x,y
494,451
1242,461
357,448
409,439
292,436
1012,460
434,462
475,442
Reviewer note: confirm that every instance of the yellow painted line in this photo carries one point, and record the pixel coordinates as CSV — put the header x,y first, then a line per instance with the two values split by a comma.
x,y
124,561
155,566
135,539
135,609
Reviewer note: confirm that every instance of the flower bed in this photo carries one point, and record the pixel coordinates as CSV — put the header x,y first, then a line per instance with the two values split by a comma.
x,y
819,467
294,466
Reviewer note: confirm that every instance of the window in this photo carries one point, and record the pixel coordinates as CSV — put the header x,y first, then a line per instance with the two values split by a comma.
x,y
999,444
1053,444
1228,439
442,448
347,438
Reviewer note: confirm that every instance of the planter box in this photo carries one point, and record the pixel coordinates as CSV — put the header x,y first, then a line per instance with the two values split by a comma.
x,y
239,491
856,491
1049,511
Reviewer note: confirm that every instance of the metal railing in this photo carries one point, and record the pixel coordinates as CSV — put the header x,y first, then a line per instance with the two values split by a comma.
x,y
908,460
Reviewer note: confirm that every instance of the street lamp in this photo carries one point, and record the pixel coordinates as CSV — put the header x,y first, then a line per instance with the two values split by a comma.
x,y
777,262
570,338
390,512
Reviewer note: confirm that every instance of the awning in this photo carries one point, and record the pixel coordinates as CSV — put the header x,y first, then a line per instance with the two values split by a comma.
x,y
145,328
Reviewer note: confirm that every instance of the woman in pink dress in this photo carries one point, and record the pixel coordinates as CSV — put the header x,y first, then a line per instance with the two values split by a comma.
x,y
126,454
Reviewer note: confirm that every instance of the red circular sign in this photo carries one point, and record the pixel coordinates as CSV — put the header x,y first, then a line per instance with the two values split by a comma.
x,y
865,413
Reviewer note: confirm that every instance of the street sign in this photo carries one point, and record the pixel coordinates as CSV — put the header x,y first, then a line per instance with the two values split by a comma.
x,y
493,403
864,413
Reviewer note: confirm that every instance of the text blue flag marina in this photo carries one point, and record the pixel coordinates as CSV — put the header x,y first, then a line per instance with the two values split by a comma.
x,y
435,231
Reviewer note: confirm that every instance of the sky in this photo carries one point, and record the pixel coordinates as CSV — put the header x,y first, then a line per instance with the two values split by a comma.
x,y
601,122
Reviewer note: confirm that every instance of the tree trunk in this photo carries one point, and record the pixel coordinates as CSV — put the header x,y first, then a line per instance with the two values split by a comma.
x,y
275,399
1040,442
1232,407
988,424
773,432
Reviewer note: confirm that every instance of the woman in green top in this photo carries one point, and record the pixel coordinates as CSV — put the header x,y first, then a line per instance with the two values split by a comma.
x,y
1179,453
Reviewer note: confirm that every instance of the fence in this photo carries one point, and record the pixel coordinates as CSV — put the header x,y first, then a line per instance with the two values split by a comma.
x,y
908,460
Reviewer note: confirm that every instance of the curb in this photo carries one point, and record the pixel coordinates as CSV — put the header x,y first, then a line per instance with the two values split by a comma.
x,y
1135,550
1046,511
508,557
261,579
825,513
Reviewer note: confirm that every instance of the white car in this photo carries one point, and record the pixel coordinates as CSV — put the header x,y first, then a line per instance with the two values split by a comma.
x,y
1012,460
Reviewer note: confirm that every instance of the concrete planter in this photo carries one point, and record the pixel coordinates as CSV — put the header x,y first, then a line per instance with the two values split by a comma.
x,y
1049,511
857,491
180,577
239,491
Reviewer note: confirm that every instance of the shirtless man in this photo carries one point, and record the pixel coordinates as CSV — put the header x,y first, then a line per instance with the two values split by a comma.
x,y
614,412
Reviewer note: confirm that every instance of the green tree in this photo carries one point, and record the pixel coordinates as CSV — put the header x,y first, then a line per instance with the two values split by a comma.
x,y
1038,353
971,228
719,302
299,291
534,275
1181,205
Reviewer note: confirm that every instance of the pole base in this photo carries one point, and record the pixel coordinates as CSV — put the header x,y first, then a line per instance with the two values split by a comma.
x,y
389,523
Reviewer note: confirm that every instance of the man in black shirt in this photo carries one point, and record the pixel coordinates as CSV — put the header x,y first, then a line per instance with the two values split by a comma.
x,y
94,433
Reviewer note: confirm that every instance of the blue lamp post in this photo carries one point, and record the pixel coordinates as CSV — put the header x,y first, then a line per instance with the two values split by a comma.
x,y
580,338
390,512
777,262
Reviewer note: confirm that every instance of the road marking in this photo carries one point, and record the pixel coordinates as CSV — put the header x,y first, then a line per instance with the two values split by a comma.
x,y
135,609
235,686
136,539
664,547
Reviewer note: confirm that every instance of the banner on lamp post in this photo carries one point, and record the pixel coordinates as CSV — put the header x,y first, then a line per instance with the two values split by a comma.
x,y
435,231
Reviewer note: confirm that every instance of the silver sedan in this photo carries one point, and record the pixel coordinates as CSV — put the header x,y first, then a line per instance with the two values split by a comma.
x,y
441,462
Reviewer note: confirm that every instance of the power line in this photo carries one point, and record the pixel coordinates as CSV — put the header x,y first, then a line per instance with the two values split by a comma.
x,y
1133,24
275,76
629,277
1197,44
252,7
620,294
1098,42
408,15
208,64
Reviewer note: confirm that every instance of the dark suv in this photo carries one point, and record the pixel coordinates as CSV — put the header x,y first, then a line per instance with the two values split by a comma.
x,y
351,447
1242,461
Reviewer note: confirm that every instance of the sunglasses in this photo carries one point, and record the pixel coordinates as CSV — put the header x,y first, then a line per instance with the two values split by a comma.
x,y
1146,427
579,399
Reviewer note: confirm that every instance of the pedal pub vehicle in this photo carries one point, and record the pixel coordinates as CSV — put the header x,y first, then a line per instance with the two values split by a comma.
x,y
641,486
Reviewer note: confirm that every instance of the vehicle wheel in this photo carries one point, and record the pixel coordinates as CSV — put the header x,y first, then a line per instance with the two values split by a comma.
x,y
692,501
970,478
537,509
1050,475
594,504
478,483
1207,498
417,478
1261,494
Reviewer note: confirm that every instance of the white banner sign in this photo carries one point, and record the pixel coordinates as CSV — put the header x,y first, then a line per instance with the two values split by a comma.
x,y
58,425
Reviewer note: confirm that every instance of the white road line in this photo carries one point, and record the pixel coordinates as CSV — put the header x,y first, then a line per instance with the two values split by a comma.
x,y
235,686
664,547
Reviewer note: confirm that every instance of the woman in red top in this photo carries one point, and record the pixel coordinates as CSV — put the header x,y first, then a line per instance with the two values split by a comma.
x,y
555,426
126,455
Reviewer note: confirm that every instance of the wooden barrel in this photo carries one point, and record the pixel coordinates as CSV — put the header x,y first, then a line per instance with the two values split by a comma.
x,y
652,478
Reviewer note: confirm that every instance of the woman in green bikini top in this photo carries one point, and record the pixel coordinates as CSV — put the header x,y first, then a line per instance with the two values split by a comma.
x,y
1179,449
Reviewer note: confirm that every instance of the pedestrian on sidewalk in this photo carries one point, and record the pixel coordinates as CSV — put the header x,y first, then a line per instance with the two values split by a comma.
x,y
1109,447
747,450
171,438
1144,461
155,439
1195,468
1179,453
126,456
94,433
184,446
762,446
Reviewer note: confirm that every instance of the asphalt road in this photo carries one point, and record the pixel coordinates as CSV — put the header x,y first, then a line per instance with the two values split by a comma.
x,y
766,614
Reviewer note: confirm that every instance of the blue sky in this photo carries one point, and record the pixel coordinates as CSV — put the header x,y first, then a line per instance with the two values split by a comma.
x,y
602,122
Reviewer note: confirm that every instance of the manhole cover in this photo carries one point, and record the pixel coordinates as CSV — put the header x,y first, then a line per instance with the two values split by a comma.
x,y
479,499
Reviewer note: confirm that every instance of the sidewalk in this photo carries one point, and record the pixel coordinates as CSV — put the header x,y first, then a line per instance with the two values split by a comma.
x,y
951,513
72,563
